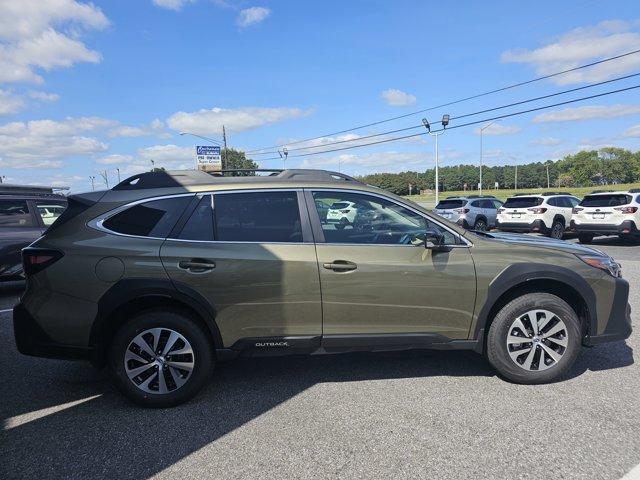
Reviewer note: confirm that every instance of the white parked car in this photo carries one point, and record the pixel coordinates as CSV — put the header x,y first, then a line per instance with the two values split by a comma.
x,y
607,213
547,213
342,214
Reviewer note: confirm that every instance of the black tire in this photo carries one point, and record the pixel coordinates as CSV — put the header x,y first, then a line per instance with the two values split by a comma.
x,y
557,230
342,224
480,225
203,357
585,237
497,352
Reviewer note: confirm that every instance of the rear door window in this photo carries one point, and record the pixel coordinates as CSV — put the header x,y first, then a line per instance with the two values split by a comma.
x,y
15,213
200,223
149,219
612,200
257,217
523,202
451,204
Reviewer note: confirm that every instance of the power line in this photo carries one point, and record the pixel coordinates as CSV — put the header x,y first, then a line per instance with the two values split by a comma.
x,y
413,127
502,89
507,115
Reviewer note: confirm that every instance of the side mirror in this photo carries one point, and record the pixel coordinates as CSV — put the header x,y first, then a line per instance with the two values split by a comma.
x,y
433,240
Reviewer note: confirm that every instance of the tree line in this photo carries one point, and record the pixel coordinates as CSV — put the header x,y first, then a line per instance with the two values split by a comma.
x,y
584,169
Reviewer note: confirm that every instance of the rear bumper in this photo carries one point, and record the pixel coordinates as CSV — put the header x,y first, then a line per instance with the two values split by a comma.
x,y
535,226
626,227
619,322
32,340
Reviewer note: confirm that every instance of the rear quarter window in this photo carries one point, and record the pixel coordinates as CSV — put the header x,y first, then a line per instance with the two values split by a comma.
x,y
613,200
155,218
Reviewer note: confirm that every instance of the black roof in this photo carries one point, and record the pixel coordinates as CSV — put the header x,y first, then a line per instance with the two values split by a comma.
x,y
556,193
186,178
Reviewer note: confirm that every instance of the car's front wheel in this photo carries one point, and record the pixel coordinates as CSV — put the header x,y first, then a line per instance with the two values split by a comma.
x,y
534,338
160,358
480,225
585,238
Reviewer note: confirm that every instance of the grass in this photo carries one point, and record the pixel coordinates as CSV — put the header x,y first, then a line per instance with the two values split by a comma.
x,y
429,200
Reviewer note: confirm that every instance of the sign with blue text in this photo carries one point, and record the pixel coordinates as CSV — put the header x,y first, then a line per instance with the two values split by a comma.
x,y
208,158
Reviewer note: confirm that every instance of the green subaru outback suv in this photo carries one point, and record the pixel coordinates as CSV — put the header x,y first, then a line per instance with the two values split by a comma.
x,y
169,272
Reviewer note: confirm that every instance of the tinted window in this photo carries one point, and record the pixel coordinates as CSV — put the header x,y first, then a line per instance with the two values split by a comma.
x,y
487,204
257,217
573,201
149,219
49,211
497,203
522,202
477,204
554,202
15,213
605,200
339,205
373,220
200,223
449,204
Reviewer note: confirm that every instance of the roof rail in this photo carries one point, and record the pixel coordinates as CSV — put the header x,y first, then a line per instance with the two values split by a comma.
x,y
187,178
525,194
556,193
11,189
600,191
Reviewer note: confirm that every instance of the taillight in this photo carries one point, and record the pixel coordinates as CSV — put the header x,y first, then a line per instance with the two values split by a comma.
x,y
345,211
577,210
626,209
462,210
35,260
537,209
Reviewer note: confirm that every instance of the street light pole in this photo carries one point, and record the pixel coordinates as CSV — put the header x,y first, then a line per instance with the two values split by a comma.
x,y
427,125
118,170
210,140
482,129
93,187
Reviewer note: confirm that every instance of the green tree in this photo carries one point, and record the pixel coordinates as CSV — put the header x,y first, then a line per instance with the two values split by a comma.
x,y
233,159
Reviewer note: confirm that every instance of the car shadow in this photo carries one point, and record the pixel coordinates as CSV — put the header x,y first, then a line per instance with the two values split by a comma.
x,y
103,435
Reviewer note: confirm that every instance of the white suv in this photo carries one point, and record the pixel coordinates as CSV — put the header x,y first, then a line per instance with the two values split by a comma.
x,y
607,213
548,213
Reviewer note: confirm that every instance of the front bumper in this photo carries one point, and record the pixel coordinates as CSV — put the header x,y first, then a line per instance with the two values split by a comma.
x,y
535,226
624,228
619,321
32,340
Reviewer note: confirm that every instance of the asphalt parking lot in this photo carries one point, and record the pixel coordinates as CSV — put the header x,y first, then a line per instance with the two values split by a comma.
x,y
403,415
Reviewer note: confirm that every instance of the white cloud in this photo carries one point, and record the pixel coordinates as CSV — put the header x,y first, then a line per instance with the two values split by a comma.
x,y
172,4
156,127
115,159
252,15
587,113
9,103
398,98
170,157
546,141
44,96
210,122
389,161
499,129
31,40
633,131
584,45
43,143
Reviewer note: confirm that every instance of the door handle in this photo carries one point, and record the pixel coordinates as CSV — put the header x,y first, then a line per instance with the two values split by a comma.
x,y
197,265
340,266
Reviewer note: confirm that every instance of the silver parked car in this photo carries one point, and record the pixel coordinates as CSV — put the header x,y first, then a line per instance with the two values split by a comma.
x,y
473,212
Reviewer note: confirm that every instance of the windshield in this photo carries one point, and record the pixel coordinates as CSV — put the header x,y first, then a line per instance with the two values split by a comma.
x,y
449,204
340,205
522,202
605,200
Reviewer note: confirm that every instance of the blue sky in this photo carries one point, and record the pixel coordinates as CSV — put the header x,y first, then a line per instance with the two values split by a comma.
x,y
87,87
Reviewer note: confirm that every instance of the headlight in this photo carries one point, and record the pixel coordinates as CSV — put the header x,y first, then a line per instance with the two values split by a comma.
x,y
607,264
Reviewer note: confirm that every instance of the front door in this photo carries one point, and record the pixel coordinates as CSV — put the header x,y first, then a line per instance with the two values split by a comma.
x,y
251,255
378,278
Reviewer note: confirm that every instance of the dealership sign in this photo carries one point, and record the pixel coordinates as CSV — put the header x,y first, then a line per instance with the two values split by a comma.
x,y
208,158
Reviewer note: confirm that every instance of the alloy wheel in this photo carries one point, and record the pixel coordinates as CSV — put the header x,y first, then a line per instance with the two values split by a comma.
x,y
537,340
557,230
159,361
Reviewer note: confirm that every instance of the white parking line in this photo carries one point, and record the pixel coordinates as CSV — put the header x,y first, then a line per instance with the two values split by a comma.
x,y
18,420
633,474
7,310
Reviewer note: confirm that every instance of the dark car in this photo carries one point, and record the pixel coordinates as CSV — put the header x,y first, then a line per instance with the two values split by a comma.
x,y
25,213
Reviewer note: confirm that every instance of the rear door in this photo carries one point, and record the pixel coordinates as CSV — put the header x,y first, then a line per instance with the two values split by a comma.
x,y
251,255
379,283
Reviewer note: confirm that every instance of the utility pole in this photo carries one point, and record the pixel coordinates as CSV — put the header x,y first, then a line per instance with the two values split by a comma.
x,y
445,122
482,129
548,184
516,182
224,137
283,155
93,186
153,164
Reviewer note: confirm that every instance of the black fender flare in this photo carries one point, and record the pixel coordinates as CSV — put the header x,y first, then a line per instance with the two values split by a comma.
x,y
559,218
520,274
130,289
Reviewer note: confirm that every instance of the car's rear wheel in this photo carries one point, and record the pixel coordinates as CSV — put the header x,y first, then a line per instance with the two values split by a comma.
x,y
160,358
557,230
585,238
534,339
480,225
342,224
